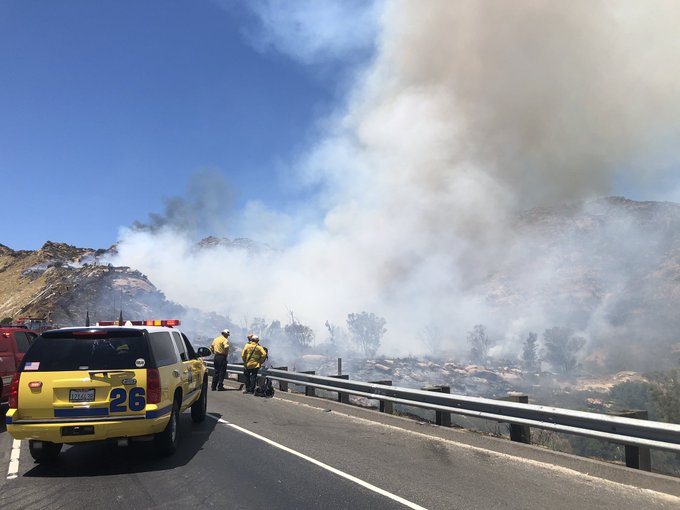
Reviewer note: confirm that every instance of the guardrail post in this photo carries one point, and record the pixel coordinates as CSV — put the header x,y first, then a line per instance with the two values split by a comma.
x,y
441,417
637,457
386,406
309,390
283,385
343,398
519,433
241,377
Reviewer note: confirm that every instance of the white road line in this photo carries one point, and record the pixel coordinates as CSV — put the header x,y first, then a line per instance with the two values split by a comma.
x,y
13,470
347,476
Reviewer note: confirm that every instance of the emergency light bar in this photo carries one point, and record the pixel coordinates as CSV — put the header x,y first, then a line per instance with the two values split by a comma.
x,y
168,323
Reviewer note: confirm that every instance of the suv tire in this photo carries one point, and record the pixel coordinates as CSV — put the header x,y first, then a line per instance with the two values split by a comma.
x,y
47,452
199,408
168,440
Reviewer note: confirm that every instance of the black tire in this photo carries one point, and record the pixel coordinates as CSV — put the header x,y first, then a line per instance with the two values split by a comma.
x,y
44,451
167,441
199,408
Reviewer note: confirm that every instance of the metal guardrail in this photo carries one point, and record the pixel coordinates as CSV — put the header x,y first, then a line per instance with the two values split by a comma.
x,y
626,431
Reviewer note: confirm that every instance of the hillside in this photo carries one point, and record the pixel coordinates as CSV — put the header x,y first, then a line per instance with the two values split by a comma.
x,y
609,268
64,284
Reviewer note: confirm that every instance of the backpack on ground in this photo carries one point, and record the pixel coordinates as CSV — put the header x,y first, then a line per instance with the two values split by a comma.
x,y
265,389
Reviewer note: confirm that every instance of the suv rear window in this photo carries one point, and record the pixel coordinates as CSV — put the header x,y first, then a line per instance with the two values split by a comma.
x,y
102,350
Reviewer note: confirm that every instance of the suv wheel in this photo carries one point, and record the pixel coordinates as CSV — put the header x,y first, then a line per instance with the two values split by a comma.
x,y
44,451
168,439
198,408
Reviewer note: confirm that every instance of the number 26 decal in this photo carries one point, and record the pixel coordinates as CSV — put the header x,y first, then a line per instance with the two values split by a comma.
x,y
136,402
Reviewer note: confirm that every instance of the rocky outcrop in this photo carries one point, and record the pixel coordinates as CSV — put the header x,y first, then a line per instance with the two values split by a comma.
x,y
64,283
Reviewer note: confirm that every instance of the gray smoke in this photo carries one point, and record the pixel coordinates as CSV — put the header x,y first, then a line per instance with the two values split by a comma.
x,y
203,210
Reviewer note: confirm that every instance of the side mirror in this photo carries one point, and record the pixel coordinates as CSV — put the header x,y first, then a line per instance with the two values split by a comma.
x,y
203,352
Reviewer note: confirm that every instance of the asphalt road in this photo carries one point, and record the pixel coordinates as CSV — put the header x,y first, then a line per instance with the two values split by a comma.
x,y
296,452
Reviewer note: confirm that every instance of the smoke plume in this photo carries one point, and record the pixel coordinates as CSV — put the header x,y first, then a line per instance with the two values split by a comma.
x,y
470,112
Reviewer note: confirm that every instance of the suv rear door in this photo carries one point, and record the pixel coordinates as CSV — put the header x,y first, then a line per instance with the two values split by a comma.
x,y
191,368
79,374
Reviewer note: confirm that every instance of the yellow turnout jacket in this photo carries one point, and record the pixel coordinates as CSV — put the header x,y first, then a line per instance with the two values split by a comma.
x,y
220,345
259,355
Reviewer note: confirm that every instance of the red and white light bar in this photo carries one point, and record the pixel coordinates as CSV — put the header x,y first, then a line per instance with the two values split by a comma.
x,y
168,323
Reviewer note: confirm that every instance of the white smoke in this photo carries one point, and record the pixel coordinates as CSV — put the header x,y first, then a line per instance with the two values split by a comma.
x,y
312,31
470,112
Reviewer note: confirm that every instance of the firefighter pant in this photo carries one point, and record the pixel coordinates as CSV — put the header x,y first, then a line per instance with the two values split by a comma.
x,y
220,362
251,379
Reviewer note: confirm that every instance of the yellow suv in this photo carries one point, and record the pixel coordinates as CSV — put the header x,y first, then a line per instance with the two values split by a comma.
x,y
109,382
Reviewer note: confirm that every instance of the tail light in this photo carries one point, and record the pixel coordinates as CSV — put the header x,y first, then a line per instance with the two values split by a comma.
x,y
153,386
14,391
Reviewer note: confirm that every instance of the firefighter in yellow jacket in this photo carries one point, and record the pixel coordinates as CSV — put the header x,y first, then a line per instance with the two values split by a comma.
x,y
220,348
253,356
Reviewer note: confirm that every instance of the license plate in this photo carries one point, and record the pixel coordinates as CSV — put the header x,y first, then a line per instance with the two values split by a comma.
x,y
81,395
77,431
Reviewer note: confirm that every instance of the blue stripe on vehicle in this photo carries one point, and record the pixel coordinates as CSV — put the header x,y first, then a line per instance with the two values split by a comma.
x,y
74,413
78,413
158,413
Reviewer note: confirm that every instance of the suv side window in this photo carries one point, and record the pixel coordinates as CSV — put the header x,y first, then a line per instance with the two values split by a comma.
x,y
23,341
189,347
180,346
163,348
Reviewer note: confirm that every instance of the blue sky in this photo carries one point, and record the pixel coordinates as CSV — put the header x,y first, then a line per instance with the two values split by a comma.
x,y
110,107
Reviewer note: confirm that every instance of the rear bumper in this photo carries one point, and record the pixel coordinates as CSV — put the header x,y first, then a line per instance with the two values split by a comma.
x,y
59,430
